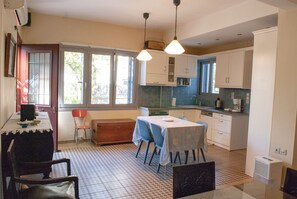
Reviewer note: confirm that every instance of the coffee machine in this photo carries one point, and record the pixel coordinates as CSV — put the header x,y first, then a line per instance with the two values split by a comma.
x,y
237,105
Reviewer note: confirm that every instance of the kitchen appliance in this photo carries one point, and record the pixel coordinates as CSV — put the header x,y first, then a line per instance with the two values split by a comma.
x,y
218,103
237,105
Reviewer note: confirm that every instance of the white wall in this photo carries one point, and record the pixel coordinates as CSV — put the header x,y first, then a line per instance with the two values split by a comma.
x,y
262,95
66,123
285,95
244,12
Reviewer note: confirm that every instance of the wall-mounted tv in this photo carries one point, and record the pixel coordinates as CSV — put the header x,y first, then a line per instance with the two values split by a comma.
x,y
10,56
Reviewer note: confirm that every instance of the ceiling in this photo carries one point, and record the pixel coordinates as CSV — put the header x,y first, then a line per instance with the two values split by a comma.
x,y
162,12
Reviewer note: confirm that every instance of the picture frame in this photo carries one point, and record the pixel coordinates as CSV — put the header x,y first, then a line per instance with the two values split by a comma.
x,y
10,56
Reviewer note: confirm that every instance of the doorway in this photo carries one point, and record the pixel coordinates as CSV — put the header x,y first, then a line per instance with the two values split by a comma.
x,y
37,80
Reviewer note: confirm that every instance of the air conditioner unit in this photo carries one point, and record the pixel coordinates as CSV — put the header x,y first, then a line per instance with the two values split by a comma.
x,y
20,9
268,170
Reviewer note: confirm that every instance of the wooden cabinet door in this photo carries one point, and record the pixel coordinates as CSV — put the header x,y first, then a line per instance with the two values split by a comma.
x,y
208,120
181,63
222,70
192,66
158,64
236,69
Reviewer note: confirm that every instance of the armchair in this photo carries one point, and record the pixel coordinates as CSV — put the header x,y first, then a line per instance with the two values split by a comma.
x,y
24,188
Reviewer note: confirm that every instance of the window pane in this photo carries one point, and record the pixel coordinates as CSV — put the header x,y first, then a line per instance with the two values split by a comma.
x,y
73,77
124,81
207,77
100,91
213,77
39,77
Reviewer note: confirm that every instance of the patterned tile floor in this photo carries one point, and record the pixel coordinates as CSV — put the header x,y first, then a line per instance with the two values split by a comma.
x,y
112,171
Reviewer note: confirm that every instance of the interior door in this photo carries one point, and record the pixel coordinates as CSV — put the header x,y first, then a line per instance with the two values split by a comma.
x,y
37,80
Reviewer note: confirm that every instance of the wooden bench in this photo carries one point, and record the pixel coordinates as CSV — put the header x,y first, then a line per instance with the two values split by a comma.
x,y
111,131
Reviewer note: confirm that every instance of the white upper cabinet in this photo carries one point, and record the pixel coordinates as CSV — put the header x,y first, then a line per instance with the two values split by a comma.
x,y
159,71
185,66
234,70
158,64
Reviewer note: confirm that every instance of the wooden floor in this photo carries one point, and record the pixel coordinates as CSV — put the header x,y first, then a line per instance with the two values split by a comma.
x,y
112,171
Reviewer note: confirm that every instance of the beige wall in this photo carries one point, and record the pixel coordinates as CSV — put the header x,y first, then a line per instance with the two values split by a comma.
x,y
7,85
47,29
285,95
66,132
51,29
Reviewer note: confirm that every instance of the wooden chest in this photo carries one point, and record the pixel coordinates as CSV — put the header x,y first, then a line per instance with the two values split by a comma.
x,y
110,131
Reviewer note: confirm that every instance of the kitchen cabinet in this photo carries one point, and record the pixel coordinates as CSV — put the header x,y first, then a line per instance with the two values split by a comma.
x,y
208,120
192,115
186,66
234,70
230,131
160,70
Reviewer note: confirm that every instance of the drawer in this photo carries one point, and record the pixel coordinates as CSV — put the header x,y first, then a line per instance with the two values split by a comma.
x,y
222,125
221,137
222,116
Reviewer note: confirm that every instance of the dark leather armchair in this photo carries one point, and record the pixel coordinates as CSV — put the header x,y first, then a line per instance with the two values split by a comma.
x,y
25,188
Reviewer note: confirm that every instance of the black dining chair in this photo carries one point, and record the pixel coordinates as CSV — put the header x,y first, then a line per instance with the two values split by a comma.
x,y
146,136
290,184
30,188
193,179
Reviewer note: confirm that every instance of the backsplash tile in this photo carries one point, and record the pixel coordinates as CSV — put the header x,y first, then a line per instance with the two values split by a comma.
x,y
155,96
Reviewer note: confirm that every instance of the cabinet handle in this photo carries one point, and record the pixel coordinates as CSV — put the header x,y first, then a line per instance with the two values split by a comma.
x,y
165,68
220,133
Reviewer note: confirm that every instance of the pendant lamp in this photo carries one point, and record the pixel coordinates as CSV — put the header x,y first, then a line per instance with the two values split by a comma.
x,y
174,47
144,55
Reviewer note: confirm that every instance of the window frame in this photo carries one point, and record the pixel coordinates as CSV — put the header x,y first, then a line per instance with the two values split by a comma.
x,y
87,78
211,60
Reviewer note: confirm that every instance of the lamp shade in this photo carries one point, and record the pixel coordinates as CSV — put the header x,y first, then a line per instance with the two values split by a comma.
x,y
174,48
144,56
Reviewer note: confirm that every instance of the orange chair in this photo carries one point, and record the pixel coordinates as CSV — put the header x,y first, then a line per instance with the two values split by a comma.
x,y
79,117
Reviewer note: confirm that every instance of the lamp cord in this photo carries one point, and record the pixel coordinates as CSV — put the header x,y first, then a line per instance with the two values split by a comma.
x,y
175,22
144,33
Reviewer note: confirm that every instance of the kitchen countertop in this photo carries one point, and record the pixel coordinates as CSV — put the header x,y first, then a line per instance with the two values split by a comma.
x,y
202,108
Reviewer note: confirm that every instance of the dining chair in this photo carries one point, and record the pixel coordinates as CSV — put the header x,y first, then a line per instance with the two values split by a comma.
x,y
290,184
79,117
146,136
193,179
32,188
158,142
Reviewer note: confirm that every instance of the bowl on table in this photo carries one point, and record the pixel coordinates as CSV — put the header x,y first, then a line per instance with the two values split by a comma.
x,y
24,124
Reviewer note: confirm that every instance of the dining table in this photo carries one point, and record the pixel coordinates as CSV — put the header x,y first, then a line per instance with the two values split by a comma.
x,y
249,190
179,135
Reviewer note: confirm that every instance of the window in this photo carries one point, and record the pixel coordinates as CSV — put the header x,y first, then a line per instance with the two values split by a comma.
x,y
39,78
207,76
97,78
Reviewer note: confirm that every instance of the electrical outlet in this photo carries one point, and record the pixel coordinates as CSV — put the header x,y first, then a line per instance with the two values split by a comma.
x,y
277,150
283,152
247,98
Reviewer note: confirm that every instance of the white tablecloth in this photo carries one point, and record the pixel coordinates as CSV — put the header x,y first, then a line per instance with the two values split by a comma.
x,y
11,125
179,135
